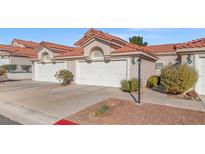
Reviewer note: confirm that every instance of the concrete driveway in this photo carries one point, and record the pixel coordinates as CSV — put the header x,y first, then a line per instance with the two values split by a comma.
x,y
30,102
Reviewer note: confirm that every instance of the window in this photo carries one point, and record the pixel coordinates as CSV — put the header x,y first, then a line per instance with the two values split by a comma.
x,y
159,65
45,56
97,54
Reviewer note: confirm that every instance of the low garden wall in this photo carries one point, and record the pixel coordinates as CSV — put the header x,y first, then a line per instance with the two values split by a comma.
x,y
19,76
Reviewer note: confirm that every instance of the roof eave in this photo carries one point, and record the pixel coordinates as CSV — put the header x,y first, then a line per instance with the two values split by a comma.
x,y
135,53
190,49
69,57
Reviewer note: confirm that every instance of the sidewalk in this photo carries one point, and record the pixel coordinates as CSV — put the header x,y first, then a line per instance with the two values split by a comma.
x,y
151,96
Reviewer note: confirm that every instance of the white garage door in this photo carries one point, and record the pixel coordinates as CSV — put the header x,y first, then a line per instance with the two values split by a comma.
x,y
46,72
101,73
202,76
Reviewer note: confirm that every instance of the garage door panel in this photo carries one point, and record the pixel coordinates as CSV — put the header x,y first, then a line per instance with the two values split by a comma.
x,y
46,72
101,73
202,76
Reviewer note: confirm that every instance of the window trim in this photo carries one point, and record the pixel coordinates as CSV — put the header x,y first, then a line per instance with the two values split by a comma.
x,y
160,63
97,58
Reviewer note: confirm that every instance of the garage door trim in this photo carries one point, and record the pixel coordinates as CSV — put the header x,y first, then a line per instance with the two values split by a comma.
x,y
198,67
127,60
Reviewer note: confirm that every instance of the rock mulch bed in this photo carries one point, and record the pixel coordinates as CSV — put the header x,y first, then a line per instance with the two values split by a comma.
x,y
129,113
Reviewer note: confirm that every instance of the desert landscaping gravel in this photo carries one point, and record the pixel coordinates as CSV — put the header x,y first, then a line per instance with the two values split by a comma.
x,y
130,113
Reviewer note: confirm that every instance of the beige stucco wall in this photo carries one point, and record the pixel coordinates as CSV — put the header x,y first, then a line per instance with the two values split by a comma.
x,y
167,59
19,76
19,60
98,43
184,59
147,69
33,70
43,50
71,66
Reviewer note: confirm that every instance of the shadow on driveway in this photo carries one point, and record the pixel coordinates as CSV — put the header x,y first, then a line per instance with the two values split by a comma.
x,y
6,121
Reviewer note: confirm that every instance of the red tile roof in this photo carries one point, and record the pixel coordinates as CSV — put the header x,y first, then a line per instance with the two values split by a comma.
x,y
71,54
163,48
19,51
133,48
58,48
119,44
93,33
62,50
25,43
199,43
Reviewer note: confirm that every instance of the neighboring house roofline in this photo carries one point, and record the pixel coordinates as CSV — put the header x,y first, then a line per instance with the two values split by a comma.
x,y
185,50
25,43
163,48
120,46
56,48
17,51
194,45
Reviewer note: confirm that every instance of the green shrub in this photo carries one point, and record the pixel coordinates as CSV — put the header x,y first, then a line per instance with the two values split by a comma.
x,y
102,110
178,79
10,67
134,85
64,76
2,71
125,85
153,81
129,85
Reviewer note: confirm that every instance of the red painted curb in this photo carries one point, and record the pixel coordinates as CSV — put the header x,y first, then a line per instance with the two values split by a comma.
x,y
65,122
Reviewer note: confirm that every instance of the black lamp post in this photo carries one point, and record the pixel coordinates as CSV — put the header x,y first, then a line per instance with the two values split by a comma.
x,y
139,79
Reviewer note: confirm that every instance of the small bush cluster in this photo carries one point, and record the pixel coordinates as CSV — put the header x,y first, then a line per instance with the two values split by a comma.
x,y
178,79
153,81
129,85
9,67
64,76
2,71
102,110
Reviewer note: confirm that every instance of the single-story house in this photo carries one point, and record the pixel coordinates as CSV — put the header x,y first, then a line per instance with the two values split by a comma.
x,y
18,53
191,53
102,59
98,59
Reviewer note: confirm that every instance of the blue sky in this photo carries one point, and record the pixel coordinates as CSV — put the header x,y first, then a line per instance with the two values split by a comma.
x,y
68,36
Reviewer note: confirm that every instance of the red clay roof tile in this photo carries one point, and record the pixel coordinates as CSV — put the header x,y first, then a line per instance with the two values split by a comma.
x,y
71,54
19,51
58,48
99,34
26,44
133,48
119,44
62,50
163,48
198,43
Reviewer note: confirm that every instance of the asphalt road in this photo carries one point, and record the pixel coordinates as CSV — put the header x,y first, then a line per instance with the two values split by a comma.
x,y
6,121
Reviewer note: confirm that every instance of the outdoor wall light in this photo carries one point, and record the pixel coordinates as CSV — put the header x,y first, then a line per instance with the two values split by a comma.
x,y
189,60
